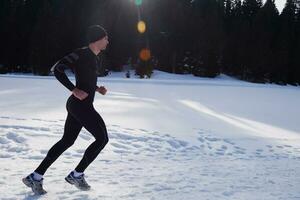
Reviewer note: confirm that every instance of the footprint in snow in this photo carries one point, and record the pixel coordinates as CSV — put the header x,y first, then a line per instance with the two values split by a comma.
x,y
85,136
212,139
201,140
3,140
119,146
15,137
228,141
5,155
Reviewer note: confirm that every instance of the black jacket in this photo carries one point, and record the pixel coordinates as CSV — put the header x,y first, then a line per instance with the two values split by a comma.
x,y
83,63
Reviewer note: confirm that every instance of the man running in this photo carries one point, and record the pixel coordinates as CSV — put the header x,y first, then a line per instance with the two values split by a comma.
x,y
81,113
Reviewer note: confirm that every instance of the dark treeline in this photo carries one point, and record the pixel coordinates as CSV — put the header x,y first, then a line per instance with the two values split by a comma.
x,y
246,39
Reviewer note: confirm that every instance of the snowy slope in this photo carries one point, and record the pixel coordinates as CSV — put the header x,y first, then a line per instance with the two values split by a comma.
x,y
171,137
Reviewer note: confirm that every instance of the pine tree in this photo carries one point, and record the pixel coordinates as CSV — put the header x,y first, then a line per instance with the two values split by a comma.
x,y
235,49
250,9
44,39
208,37
296,60
265,34
170,28
11,36
5,13
286,45
228,51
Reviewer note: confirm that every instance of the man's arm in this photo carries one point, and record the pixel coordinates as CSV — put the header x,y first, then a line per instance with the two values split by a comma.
x,y
67,62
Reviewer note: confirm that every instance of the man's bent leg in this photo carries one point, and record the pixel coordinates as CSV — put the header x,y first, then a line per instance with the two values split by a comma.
x,y
94,123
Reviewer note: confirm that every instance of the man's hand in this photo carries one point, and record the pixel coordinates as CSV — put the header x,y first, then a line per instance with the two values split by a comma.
x,y
79,94
102,90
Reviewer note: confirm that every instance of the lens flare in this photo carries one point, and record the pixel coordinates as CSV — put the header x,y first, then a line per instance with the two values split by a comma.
x,y
138,2
141,26
145,54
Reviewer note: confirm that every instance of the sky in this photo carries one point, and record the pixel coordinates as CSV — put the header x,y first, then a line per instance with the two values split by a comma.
x,y
280,4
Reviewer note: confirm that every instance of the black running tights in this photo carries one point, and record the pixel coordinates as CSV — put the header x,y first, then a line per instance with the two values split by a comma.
x,y
79,115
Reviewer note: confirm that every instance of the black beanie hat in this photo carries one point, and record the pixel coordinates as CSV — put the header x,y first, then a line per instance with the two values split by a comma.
x,y
95,33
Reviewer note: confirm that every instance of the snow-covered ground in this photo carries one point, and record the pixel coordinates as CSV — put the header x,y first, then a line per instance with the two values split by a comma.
x,y
171,137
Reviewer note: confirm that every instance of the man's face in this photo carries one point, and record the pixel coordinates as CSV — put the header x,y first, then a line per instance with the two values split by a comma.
x,y
102,43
